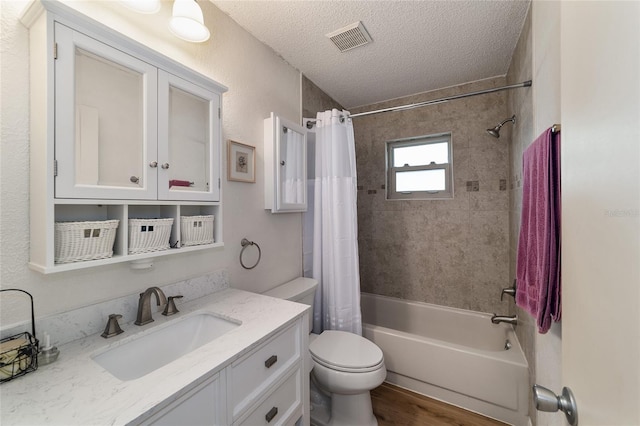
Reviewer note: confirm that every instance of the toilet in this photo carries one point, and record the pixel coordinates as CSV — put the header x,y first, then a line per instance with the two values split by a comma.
x,y
345,366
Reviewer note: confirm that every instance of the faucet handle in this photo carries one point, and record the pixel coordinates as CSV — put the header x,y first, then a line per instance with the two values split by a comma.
x,y
170,307
511,291
112,328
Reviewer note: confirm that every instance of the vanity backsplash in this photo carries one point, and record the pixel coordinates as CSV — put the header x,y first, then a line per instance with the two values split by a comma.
x,y
68,326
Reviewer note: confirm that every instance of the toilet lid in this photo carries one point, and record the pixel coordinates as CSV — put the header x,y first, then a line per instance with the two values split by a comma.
x,y
345,351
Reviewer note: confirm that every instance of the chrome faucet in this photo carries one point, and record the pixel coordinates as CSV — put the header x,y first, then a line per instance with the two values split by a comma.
x,y
144,305
497,319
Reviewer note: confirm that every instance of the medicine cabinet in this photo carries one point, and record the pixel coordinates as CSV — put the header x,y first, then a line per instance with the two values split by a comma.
x,y
128,130
118,131
285,166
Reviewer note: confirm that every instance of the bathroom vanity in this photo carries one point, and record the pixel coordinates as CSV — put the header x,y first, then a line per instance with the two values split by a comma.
x,y
255,373
119,132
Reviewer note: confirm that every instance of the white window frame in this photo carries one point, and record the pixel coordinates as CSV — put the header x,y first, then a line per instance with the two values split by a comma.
x,y
447,193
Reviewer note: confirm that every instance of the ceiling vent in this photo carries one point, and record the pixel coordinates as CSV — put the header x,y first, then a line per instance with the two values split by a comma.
x,y
350,37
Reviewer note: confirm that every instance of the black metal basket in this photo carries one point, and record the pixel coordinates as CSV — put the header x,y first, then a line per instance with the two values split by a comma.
x,y
19,353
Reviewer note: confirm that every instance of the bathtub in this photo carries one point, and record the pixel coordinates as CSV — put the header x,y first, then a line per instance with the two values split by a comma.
x,y
453,355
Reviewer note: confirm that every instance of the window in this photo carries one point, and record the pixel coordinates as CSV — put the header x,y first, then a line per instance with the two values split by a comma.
x,y
420,168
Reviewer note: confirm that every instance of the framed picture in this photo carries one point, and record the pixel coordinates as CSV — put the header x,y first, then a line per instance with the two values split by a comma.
x,y
241,162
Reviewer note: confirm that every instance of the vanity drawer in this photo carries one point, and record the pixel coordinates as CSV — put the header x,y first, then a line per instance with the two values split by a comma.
x,y
252,374
283,406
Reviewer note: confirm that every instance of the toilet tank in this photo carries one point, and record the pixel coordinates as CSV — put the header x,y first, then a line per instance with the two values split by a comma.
x,y
301,290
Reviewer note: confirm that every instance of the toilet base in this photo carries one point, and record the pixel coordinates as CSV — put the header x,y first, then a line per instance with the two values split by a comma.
x,y
341,410
320,406
352,410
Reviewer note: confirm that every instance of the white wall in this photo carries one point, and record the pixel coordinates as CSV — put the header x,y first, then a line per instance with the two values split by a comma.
x,y
259,81
601,209
545,21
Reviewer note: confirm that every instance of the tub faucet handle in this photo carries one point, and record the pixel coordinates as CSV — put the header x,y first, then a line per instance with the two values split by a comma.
x,y
511,291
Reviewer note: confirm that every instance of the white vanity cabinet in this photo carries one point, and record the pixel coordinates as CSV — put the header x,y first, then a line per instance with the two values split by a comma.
x,y
262,387
274,365
118,131
285,166
202,405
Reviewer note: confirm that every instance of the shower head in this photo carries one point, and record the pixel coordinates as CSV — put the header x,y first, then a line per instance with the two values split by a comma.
x,y
495,132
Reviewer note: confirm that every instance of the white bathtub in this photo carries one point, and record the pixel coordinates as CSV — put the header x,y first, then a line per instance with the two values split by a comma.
x,y
450,354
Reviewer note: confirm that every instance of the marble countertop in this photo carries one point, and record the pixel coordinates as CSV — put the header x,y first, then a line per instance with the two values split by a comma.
x,y
75,390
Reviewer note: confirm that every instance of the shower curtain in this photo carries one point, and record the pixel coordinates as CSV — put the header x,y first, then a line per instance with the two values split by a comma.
x,y
335,227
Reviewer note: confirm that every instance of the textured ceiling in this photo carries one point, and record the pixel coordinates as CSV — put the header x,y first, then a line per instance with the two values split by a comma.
x,y
417,45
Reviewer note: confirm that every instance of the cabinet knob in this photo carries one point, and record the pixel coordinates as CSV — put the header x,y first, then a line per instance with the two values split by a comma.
x,y
282,163
153,164
165,166
134,179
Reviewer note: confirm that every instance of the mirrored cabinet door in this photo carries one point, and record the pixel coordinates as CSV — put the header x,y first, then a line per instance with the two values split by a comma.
x,y
188,140
285,170
106,128
291,170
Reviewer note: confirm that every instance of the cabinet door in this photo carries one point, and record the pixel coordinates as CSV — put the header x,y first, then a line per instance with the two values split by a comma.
x,y
188,140
201,406
106,120
291,167
285,170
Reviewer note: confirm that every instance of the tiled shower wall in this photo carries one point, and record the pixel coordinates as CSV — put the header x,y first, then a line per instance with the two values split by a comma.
x,y
448,252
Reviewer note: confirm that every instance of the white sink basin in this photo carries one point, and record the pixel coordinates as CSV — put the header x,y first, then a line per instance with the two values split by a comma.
x,y
142,355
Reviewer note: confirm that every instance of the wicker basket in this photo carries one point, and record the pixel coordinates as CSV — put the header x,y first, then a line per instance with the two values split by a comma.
x,y
80,241
149,235
196,230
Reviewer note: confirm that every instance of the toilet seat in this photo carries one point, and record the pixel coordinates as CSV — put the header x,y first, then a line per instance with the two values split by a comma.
x,y
347,352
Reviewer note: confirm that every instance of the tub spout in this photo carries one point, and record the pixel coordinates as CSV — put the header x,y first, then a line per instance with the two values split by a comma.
x,y
497,319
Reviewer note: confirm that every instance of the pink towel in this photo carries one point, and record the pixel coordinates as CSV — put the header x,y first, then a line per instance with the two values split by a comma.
x,y
538,262
177,182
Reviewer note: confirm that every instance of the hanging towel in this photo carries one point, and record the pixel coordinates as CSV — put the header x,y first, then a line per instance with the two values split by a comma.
x,y
538,261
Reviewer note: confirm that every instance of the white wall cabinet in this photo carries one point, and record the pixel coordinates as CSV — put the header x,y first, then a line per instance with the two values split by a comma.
x,y
263,387
118,131
285,166
128,130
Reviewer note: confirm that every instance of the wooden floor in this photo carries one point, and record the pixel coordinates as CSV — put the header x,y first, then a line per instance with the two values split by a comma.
x,y
396,406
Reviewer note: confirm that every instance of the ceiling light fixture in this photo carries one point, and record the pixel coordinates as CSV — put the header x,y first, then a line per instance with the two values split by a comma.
x,y
142,6
187,22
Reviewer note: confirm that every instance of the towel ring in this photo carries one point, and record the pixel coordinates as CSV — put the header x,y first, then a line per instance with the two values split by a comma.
x,y
246,243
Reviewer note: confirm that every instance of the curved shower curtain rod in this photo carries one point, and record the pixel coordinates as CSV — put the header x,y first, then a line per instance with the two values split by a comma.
x,y
527,83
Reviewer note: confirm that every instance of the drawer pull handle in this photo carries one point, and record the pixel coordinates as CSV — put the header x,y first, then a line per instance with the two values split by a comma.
x,y
271,414
272,360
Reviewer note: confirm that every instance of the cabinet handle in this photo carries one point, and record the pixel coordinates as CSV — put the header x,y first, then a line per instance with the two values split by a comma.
x,y
272,360
153,164
134,179
165,166
271,414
